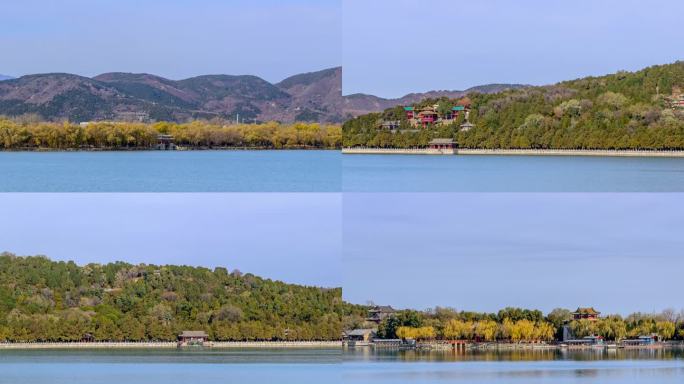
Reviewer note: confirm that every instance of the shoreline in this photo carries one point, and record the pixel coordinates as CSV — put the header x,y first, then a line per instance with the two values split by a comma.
x,y
173,345
181,149
503,346
516,152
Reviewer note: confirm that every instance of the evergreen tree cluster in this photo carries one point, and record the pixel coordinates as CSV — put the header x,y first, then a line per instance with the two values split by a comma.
x,y
44,300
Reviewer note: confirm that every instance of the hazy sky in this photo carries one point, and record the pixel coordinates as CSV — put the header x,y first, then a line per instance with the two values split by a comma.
x,y
393,47
172,38
295,237
616,252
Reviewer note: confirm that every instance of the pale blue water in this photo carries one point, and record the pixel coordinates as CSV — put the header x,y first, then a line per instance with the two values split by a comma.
x,y
306,366
171,171
642,367
420,173
329,171
323,366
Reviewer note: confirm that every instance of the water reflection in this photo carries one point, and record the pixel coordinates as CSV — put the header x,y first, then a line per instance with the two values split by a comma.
x,y
370,354
528,366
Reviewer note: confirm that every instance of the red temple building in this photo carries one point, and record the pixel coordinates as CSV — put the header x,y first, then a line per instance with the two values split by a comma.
x,y
424,117
427,116
586,313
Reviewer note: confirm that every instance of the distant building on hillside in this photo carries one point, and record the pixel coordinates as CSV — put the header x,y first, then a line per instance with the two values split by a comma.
x,y
585,314
676,100
391,125
130,116
467,126
431,115
379,313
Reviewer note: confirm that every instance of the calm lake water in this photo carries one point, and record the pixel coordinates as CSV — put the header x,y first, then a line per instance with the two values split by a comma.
x,y
171,171
303,366
473,173
362,367
330,171
323,366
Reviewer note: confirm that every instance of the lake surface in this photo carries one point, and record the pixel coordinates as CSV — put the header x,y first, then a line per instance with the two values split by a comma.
x,y
323,366
305,366
330,171
489,173
625,367
171,171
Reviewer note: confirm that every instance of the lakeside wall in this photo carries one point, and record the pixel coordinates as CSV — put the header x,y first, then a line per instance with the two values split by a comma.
x,y
514,152
171,344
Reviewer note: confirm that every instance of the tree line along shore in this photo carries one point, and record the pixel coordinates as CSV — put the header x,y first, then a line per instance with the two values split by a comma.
x,y
31,134
45,301
641,110
511,325
168,344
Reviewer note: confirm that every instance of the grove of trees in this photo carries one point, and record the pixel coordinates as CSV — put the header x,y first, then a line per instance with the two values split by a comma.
x,y
26,133
44,300
519,325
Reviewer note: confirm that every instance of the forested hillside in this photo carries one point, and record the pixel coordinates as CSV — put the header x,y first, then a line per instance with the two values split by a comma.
x,y
44,300
639,110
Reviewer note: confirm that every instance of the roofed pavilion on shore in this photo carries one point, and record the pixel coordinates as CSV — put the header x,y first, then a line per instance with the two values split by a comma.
x,y
442,144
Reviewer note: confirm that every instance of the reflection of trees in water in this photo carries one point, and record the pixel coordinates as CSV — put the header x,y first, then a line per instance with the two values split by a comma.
x,y
519,355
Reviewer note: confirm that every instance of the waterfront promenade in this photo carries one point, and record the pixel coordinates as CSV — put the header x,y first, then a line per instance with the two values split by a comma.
x,y
514,152
172,344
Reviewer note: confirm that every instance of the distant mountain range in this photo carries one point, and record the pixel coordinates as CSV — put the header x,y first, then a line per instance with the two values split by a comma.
x,y
314,96
5,77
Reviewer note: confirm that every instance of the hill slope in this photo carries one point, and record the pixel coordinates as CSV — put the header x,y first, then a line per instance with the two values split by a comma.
x,y
44,300
361,103
638,110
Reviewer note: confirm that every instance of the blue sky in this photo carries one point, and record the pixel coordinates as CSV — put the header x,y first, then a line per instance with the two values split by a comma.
x,y
295,237
616,252
172,38
393,47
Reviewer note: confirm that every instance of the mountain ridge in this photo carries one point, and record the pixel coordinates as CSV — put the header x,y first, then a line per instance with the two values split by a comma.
x,y
122,96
